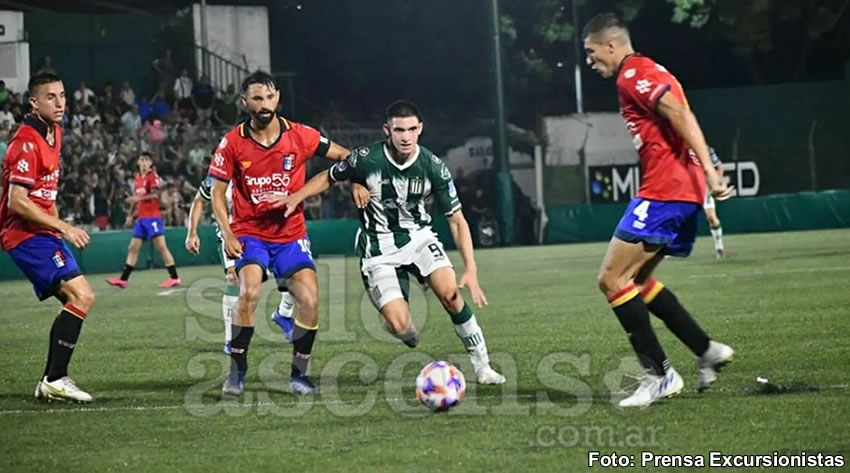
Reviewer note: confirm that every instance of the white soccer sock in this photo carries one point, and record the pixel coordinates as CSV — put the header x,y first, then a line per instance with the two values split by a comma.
x,y
228,305
287,305
472,337
717,234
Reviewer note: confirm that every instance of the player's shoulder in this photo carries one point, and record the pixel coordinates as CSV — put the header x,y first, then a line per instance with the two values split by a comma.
x,y
637,67
366,153
232,138
430,159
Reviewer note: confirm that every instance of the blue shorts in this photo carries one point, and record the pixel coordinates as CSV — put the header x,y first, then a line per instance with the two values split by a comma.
x,y
147,228
47,262
672,224
283,259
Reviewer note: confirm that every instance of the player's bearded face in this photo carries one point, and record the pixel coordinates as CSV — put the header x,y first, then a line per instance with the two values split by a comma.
x,y
403,133
261,102
49,102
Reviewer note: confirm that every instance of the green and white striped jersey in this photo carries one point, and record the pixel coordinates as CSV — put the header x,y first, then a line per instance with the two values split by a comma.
x,y
398,195
205,190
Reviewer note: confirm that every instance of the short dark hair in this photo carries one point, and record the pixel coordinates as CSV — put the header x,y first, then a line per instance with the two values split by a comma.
x,y
40,79
258,77
402,109
146,154
602,22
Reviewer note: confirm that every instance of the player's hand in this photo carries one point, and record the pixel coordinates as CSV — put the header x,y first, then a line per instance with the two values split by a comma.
x,y
717,186
193,244
470,281
286,202
360,195
232,276
232,247
77,237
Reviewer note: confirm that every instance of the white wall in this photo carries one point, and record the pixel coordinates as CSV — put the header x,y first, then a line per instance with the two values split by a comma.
x,y
14,53
607,140
477,153
236,31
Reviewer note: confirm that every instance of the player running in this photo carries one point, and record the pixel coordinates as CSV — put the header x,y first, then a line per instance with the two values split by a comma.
x,y
30,231
282,315
395,238
662,219
265,157
710,210
148,224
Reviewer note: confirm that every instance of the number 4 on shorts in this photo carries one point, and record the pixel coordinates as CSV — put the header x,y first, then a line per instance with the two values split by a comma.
x,y
642,210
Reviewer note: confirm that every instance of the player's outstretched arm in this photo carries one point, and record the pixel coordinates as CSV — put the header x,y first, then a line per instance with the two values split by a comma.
x,y
20,203
686,125
196,210
337,152
318,184
463,240
232,247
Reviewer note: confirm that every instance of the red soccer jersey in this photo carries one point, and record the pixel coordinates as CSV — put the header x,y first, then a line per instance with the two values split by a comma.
x,y
259,173
670,170
145,185
30,162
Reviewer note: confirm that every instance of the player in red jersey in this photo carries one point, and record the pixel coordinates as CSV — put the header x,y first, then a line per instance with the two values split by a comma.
x,y
662,220
265,158
149,224
30,231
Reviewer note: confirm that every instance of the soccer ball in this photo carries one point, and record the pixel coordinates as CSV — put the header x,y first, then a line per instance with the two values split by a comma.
x,y
440,386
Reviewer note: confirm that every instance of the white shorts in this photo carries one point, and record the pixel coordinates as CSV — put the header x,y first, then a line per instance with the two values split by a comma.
x,y
386,277
709,201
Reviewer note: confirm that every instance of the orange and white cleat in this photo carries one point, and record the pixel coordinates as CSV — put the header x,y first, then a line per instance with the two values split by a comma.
x,y
118,282
170,282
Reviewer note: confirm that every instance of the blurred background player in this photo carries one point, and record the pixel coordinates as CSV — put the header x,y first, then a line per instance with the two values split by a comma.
x,y
282,315
395,236
30,231
149,224
265,157
663,218
711,211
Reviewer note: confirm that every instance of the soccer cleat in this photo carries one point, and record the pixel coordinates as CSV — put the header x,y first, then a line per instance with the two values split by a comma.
x,y
63,389
118,282
487,375
302,386
653,388
285,323
711,362
720,254
170,282
227,348
234,384
38,393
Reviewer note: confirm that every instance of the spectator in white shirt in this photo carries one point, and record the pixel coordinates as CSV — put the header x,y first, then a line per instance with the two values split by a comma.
x,y
7,119
131,121
84,96
183,86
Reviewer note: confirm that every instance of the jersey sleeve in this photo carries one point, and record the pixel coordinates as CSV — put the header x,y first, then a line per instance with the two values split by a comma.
x,y
205,189
313,142
221,164
22,161
154,182
646,85
445,193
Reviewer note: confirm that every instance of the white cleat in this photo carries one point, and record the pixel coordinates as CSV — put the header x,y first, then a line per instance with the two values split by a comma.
x,y
653,387
711,362
63,389
487,375
38,395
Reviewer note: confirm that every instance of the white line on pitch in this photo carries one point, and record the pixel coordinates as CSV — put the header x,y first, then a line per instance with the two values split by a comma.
x,y
768,273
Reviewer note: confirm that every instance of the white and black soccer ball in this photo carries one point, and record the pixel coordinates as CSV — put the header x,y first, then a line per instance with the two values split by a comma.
x,y
440,386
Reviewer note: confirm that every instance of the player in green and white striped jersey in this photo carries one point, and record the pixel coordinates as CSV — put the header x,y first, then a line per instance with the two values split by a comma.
x,y
395,238
282,315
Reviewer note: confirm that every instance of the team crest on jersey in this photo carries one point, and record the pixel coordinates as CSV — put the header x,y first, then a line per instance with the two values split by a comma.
x,y
415,186
629,73
288,162
363,151
58,259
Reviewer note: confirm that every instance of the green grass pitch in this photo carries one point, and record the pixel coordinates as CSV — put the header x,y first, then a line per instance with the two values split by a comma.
x,y
153,361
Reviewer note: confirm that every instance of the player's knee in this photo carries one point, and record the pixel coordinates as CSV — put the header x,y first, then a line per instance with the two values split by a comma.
x,y
251,293
607,282
308,303
451,299
396,325
83,298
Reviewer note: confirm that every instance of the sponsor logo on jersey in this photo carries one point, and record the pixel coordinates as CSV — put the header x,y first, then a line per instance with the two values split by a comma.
x,y
445,174
629,73
23,166
218,159
341,166
28,146
452,190
223,143
263,188
643,86
245,164
58,259
288,162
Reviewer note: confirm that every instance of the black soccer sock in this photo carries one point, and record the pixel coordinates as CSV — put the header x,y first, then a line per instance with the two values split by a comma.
x,y
49,350
634,317
239,347
63,338
125,275
666,306
302,346
172,271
